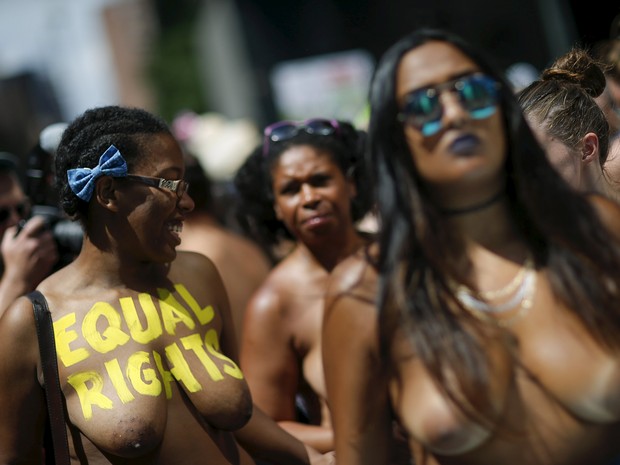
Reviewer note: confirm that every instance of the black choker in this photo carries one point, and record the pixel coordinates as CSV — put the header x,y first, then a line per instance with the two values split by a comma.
x,y
473,208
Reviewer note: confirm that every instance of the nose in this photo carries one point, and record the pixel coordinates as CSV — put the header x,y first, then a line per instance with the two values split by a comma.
x,y
186,203
309,196
454,113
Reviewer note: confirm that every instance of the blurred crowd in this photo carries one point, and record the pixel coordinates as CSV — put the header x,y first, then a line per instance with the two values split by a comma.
x,y
440,286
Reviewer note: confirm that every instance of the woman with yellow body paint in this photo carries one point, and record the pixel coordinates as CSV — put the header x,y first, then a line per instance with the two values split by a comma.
x,y
145,346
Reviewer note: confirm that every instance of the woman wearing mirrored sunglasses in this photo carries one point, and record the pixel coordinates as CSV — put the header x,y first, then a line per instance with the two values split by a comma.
x,y
146,350
303,185
487,323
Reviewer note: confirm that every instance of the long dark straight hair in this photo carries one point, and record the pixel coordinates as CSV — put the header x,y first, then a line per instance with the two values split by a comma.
x,y
419,252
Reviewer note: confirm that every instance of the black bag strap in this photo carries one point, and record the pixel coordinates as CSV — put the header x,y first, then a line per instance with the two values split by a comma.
x,y
53,393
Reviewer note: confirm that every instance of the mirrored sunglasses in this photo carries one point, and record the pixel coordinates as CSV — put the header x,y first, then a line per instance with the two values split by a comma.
x,y
477,93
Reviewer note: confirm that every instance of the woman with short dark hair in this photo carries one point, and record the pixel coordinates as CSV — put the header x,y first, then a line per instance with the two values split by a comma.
x,y
145,346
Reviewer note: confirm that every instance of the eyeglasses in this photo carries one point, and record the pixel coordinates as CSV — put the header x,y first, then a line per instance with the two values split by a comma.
x,y
21,209
477,93
284,130
179,186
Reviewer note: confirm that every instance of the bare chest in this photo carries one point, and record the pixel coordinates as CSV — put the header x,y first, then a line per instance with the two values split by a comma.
x,y
123,363
556,382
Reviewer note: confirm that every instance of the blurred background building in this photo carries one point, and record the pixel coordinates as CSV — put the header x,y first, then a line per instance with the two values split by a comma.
x,y
250,60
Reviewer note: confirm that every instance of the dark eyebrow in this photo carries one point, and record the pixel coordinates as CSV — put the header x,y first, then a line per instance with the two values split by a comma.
x,y
466,73
286,184
321,175
453,77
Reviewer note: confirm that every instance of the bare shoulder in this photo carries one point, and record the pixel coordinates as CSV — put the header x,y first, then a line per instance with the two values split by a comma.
x,y
21,396
18,333
19,316
266,301
350,311
355,276
350,301
271,297
193,263
200,276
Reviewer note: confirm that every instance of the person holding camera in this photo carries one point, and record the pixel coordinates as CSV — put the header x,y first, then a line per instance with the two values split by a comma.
x,y
28,253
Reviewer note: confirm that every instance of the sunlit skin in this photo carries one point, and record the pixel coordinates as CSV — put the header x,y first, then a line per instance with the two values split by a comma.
x,y
145,342
565,409
612,166
579,166
281,345
609,101
450,176
312,195
565,160
613,87
124,258
148,211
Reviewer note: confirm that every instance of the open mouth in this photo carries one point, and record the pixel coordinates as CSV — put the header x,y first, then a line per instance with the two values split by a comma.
x,y
175,229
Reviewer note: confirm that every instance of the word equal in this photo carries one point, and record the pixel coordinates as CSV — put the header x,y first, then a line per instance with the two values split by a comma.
x,y
145,372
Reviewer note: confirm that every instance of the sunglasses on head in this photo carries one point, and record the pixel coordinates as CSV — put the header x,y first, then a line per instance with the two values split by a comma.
x,y
284,130
21,209
422,108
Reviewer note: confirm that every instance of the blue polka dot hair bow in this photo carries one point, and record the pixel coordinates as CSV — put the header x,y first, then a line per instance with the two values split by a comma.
x,y
82,180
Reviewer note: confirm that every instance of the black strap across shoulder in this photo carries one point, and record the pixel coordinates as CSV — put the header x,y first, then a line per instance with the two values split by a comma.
x,y
53,393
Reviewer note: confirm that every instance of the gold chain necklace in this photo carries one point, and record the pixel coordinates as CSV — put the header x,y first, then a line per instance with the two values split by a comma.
x,y
523,286
512,285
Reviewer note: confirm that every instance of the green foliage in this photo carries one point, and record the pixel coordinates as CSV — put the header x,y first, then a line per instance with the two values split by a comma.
x,y
173,71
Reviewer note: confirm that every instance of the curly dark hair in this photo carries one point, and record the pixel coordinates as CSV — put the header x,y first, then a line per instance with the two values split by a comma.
x,y
89,136
253,182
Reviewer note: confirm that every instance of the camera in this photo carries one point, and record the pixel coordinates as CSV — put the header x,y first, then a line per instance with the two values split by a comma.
x,y
39,187
67,234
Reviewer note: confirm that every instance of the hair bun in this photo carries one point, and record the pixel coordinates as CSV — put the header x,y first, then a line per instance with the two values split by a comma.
x,y
577,67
